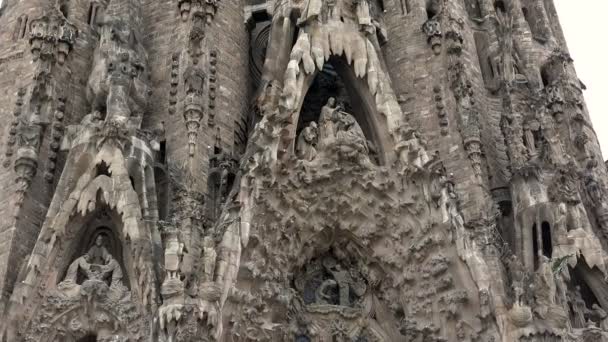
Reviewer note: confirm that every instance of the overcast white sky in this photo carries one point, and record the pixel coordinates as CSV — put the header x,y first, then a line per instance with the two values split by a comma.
x,y
585,26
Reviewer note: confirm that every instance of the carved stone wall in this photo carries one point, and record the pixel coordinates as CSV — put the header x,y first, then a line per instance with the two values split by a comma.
x,y
297,170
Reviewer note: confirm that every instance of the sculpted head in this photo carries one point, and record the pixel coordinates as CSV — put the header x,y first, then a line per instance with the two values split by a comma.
x,y
99,241
331,102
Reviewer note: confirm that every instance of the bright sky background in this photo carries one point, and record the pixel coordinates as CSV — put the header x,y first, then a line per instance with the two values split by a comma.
x,y
586,27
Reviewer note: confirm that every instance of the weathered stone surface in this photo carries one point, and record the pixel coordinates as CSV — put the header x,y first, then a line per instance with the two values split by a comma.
x,y
384,170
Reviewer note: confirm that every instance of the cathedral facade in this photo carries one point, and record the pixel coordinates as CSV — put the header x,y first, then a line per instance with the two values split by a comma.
x,y
297,170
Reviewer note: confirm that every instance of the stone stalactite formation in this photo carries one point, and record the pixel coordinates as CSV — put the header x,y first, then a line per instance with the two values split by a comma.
x,y
297,170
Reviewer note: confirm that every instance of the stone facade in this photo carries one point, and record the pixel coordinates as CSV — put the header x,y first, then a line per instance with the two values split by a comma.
x,y
297,170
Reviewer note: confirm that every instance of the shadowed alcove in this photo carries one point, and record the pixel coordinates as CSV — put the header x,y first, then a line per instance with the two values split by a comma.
x,y
338,80
101,226
88,338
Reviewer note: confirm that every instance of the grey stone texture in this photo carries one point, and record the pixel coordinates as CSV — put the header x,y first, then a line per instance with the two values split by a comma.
x,y
297,170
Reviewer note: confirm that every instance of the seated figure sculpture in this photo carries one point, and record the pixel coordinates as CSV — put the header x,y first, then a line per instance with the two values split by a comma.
x,y
305,147
340,132
97,265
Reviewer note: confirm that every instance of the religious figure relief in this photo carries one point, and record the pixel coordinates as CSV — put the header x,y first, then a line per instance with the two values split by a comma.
x,y
326,125
595,189
412,150
531,137
306,145
350,142
600,315
578,308
565,187
97,265
327,281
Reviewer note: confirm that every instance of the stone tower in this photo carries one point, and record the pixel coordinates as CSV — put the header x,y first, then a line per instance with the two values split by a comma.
x,y
297,170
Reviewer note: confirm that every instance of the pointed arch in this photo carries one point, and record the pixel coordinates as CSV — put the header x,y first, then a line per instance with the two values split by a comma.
x,y
364,107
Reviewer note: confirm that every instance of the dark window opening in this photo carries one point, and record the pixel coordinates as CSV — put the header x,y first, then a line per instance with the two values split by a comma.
x,y
535,246
545,77
89,338
64,10
162,193
546,239
302,338
162,153
499,6
527,16
578,283
24,27
506,208
92,15
103,169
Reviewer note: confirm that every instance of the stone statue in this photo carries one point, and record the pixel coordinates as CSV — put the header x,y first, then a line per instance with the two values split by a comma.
x,y
350,138
112,267
594,188
96,265
529,128
305,148
209,258
601,315
546,288
579,308
321,295
98,252
412,149
343,280
326,125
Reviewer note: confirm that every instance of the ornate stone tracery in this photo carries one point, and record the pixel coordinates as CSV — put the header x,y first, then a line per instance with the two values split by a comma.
x,y
379,190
